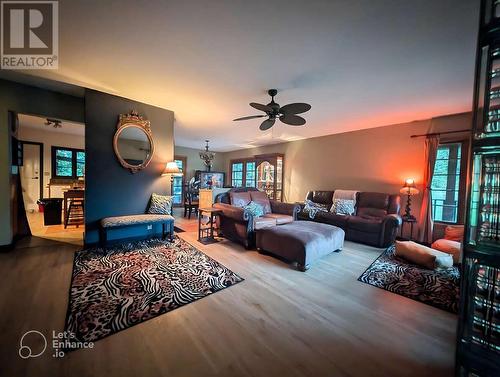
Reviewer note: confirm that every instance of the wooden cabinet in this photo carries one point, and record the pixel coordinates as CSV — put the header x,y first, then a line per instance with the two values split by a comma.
x,y
269,170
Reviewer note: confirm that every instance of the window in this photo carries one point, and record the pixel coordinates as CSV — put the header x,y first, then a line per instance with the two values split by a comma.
x,y
237,174
250,174
446,184
243,173
68,163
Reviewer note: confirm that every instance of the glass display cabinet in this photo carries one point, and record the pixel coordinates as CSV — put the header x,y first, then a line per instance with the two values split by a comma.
x,y
269,170
478,336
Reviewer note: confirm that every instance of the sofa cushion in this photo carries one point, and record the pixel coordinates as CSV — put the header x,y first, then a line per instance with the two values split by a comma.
x,y
119,221
454,248
240,199
373,204
263,222
373,200
423,255
322,197
332,219
280,219
454,233
365,224
261,198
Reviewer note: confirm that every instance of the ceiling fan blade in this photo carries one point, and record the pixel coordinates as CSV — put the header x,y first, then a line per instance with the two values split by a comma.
x,y
293,120
295,108
250,117
261,107
267,124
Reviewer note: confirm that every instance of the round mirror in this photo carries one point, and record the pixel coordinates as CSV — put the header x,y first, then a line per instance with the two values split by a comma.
x,y
133,146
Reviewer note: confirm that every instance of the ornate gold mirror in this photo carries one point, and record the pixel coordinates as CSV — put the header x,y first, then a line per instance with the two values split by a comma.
x,y
133,142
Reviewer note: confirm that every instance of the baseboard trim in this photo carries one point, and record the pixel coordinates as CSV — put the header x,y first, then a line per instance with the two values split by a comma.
x,y
10,246
118,241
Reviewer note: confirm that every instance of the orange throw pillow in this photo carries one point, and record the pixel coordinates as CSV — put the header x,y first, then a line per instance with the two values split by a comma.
x,y
454,233
454,248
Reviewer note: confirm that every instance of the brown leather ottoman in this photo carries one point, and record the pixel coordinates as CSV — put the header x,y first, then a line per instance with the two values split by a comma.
x,y
301,241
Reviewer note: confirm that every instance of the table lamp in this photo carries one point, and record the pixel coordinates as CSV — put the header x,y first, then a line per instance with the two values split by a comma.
x,y
409,188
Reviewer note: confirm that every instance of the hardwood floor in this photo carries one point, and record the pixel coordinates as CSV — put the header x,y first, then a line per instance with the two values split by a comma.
x,y
277,322
72,234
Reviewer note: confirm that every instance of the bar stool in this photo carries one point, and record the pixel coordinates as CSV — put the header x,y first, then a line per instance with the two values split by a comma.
x,y
76,213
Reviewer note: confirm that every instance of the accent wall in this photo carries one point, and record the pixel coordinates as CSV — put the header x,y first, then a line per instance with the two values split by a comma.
x,y
112,190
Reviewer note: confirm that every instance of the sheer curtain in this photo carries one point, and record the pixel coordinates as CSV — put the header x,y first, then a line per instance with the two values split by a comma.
x,y
425,219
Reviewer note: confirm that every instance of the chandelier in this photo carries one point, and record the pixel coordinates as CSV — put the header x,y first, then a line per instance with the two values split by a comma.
x,y
207,157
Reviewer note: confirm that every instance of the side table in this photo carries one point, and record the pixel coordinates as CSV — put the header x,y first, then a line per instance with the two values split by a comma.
x,y
408,220
206,232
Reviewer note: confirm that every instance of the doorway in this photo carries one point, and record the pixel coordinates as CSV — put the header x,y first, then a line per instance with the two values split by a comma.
x,y
52,175
31,180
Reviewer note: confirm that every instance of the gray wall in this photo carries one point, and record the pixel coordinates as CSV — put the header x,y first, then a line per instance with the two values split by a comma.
x,y
195,163
112,190
29,100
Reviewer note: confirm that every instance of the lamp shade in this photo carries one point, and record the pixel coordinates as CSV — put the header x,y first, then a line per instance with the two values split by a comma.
x,y
171,168
409,188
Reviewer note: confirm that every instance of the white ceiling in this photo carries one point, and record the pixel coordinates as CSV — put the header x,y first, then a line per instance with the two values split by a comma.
x,y
36,122
360,64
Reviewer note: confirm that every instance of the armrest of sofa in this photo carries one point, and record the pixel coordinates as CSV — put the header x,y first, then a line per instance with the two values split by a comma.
x,y
233,212
393,220
291,209
391,224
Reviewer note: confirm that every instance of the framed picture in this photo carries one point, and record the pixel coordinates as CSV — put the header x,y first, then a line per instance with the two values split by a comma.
x,y
209,179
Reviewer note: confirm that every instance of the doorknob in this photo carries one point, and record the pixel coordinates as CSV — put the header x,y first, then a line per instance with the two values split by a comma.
x,y
34,177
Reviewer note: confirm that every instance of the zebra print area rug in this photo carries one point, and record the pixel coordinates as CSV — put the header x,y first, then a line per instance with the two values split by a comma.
x,y
116,288
439,288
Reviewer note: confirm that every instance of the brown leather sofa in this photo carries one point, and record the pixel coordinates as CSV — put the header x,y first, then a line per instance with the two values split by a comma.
x,y
375,222
239,225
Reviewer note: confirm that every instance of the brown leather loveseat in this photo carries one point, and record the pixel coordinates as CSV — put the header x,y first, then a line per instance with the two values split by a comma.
x,y
376,220
239,225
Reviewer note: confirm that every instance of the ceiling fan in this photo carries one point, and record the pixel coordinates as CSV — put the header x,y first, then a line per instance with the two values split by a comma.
x,y
287,114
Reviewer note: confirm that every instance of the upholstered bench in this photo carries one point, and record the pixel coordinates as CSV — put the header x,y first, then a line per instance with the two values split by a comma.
x,y
116,222
300,241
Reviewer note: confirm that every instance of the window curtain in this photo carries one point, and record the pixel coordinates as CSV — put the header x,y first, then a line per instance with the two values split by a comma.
x,y
425,219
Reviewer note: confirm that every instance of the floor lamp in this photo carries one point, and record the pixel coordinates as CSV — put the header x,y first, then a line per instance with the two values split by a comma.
x,y
172,169
409,189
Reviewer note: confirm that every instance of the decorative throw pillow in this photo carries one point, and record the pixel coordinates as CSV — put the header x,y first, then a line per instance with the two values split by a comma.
x,y
454,248
423,255
160,205
454,233
342,207
262,199
255,209
312,208
240,199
